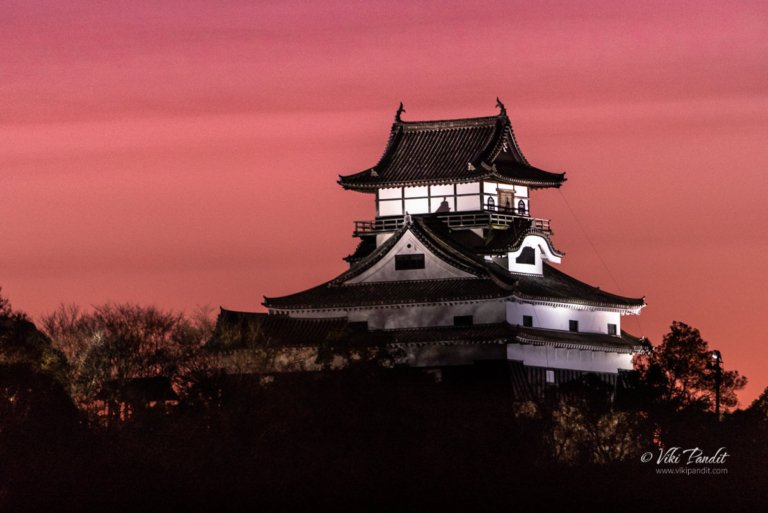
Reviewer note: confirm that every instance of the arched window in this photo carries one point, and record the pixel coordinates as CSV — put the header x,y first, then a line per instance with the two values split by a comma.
x,y
491,204
521,207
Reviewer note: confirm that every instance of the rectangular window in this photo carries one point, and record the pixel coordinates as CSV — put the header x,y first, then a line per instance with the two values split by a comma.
x,y
573,325
464,203
528,321
463,320
611,329
442,205
417,206
411,261
390,208
550,376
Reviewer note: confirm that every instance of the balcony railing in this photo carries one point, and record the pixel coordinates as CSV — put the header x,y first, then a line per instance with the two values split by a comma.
x,y
497,218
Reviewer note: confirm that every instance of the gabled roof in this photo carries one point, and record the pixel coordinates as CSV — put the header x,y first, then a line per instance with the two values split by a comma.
x,y
491,281
337,293
451,151
424,229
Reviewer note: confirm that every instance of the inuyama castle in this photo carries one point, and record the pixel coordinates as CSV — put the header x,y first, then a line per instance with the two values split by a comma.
x,y
453,274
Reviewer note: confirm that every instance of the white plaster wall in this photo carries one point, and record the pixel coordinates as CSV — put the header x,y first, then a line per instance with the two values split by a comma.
x,y
468,188
556,318
521,193
543,252
520,190
391,193
576,359
438,191
434,268
416,192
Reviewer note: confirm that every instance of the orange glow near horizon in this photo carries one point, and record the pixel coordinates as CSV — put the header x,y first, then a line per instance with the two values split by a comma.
x,y
186,153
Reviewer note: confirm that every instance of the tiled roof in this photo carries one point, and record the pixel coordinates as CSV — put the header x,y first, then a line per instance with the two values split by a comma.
x,y
491,282
577,340
366,247
556,286
451,151
389,293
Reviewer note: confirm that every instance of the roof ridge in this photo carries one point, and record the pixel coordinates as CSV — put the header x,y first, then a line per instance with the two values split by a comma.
x,y
459,122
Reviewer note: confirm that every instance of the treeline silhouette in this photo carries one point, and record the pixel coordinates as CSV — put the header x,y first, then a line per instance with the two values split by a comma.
x,y
122,408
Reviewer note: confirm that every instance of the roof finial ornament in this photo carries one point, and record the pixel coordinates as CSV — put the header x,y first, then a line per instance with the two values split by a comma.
x,y
400,110
501,107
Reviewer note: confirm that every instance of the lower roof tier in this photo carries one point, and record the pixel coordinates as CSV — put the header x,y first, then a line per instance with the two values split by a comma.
x,y
242,330
553,286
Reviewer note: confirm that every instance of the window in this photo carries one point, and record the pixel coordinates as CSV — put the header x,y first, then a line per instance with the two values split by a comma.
x,y
491,204
527,256
573,325
550,376
406,262
463,320
528,321
521,207
611,329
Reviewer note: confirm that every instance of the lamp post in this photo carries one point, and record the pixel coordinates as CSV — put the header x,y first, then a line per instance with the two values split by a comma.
x,y
717,362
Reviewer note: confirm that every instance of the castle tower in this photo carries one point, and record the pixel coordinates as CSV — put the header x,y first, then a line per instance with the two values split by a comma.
x,y
454,271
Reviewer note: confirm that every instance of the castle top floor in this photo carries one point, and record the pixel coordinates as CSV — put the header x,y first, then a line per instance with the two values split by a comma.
x,y
462,153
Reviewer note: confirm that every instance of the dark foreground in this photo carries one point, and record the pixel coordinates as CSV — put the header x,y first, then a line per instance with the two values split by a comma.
x,y
361,443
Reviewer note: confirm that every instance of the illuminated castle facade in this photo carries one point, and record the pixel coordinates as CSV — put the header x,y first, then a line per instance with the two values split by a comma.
x,y
454,271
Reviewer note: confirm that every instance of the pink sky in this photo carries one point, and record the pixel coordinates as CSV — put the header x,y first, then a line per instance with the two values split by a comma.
x,y
185,153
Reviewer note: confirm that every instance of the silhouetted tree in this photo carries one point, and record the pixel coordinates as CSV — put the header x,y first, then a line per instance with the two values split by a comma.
x,y
22,343
680,374
117,344
38,421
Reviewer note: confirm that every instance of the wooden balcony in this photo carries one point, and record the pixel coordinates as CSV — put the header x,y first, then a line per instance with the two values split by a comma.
x,y
496,219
